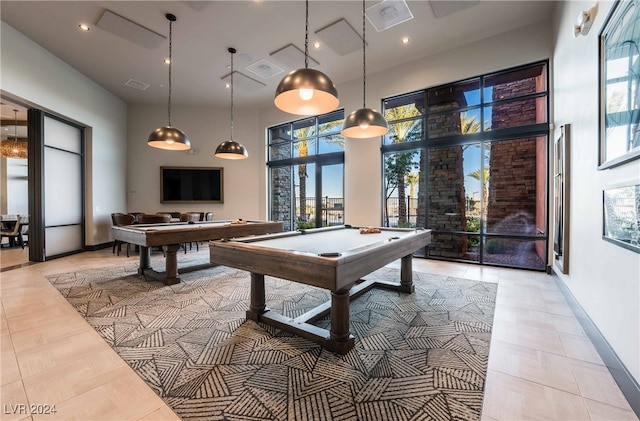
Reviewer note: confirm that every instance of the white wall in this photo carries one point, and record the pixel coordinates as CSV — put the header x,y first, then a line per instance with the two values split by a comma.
x,y
245,191
32,74
363,162
206,127
604,278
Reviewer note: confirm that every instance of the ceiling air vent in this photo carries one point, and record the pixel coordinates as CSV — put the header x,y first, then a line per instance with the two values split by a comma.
x,y
388,13
129,30
445,8
340,37
292,57
264,68
136,84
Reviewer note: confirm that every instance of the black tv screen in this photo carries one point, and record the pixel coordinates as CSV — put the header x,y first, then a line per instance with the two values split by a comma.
x,y
191,185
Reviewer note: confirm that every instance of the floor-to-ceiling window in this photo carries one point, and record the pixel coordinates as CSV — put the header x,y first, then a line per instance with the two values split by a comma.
x,y
306,172
469,161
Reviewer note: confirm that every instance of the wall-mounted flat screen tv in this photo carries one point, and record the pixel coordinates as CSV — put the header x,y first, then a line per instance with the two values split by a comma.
x,y
191,185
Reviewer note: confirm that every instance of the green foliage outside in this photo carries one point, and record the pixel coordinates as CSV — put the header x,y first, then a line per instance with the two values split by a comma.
x,y
405,224
495,247
302,225
473,225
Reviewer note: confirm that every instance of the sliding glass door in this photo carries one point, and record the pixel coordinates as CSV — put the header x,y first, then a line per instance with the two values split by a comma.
x,y
56,195
63,197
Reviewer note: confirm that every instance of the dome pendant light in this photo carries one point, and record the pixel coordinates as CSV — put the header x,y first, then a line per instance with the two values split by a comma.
x,y
168,137
365,122
306,91
230,149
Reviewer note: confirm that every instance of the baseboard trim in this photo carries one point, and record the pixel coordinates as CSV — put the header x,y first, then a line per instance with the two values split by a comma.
x,y
97,247
628,385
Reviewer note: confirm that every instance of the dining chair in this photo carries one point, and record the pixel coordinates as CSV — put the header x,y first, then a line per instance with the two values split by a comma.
x,y
113,223
135,216
121,219
173,214
23,231
190,217
158,218
14,233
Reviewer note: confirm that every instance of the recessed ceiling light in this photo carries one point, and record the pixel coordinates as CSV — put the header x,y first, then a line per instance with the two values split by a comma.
x,y
405,40
167,61
84,27
227,85
316,44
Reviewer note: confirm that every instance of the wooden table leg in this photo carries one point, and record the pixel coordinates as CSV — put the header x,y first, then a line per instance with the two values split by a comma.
x,y
145,259
172,264
257,306
406,275
340,340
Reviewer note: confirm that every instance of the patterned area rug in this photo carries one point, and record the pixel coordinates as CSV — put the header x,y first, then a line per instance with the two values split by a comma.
x,y
417,357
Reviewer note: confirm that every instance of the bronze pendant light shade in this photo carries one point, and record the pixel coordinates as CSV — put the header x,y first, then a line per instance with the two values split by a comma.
x,y
230,149
306,91
365,122
168,137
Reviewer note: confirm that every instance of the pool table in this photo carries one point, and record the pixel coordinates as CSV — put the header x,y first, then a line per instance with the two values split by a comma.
x,y
170,236
334,258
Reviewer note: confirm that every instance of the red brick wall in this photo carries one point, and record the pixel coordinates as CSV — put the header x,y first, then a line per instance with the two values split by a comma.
x,y
512,183
446,200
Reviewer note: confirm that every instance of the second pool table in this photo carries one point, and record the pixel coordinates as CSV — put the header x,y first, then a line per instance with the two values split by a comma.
x,y
170,236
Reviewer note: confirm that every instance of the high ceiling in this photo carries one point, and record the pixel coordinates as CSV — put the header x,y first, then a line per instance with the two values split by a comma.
x,y
204,30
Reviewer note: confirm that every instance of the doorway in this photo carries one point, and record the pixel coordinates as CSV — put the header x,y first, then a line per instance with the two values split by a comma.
x,y
318,194
47,186
14,184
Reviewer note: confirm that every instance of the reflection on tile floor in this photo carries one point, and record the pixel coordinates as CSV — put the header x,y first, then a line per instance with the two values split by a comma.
x,y
541,365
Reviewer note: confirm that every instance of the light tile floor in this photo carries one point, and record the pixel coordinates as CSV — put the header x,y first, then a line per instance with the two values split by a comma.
x,y
542,366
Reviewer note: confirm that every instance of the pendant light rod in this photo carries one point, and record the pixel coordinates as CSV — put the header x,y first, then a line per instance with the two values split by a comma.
x,y
364,60
169,137
171,18
364,123
306,91
231,149
232,51
15,128
306,35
